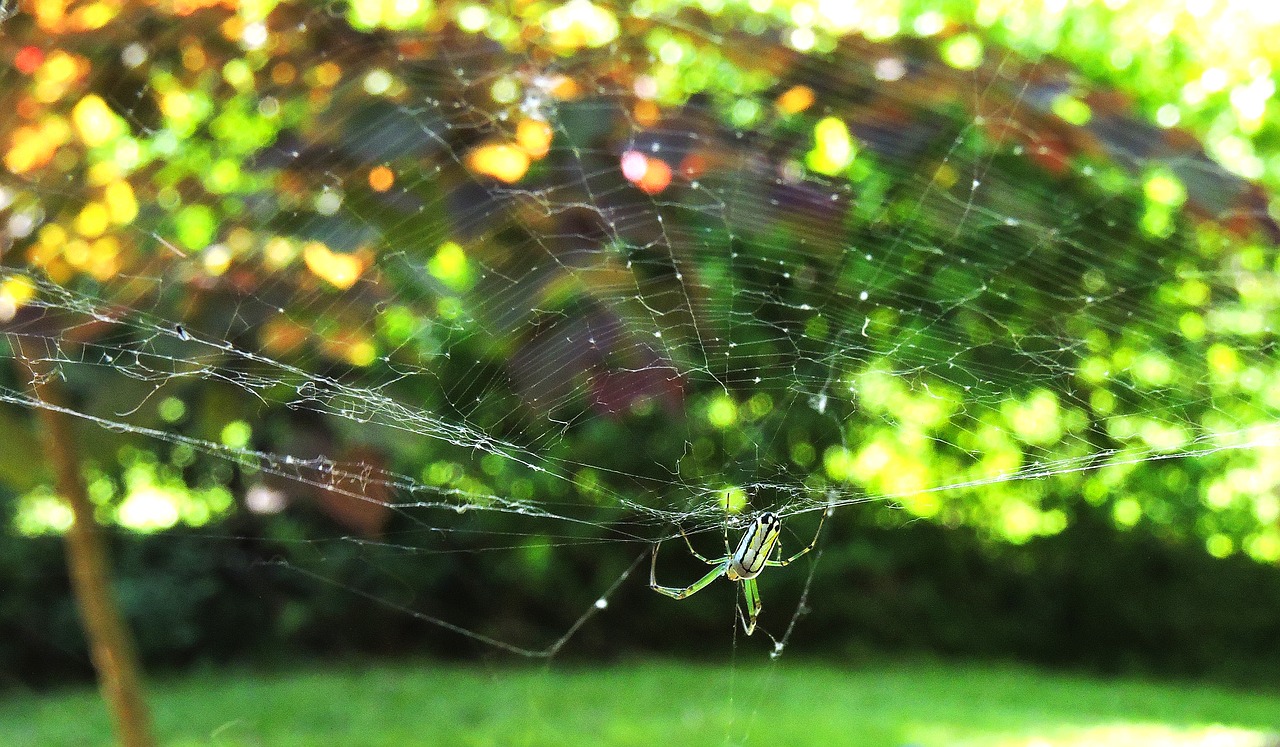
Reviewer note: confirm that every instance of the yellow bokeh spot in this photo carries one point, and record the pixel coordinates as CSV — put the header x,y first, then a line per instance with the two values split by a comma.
x,y
733,500
925,505
473,18
400,14
103,172
945,177
103,261
19,288
833,149
122,206
92,220
55,77
504,162
871,459
362,353
1165,189
1223,360
580,23
963,51
504,90
336,268
1072,110
238,73
52,236
279,252
194,57
450,266
148,509
353,347
76,252
176,105
95,123
15,292
1265,547
216,258
61,67
1019,521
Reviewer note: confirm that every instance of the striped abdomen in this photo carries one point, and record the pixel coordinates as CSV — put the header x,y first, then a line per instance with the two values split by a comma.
x,y
749,558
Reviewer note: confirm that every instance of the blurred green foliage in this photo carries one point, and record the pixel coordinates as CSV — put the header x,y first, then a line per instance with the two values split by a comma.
x,y
1089,597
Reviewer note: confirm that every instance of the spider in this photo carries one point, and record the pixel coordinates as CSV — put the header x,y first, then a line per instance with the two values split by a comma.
x,y
743,564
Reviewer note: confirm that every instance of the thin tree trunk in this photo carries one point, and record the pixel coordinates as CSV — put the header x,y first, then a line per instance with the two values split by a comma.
x,y
110,645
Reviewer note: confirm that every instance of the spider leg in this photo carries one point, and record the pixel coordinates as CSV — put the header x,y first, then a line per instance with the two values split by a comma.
x,y
751,593
780,563
676,592
698,555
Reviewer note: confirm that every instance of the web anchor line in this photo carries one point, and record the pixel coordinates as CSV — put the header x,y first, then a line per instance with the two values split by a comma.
x,y
549,652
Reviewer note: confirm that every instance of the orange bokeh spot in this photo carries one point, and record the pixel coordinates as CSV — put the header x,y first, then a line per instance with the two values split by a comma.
x,y
646,113
656,177
796,99
193,56
534,136
649,174
282,73
327,74
33,146
506,163
381,178
187,7
565,88
282,336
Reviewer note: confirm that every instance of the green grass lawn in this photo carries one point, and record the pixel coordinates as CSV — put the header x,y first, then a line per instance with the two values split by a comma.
x,y
787,703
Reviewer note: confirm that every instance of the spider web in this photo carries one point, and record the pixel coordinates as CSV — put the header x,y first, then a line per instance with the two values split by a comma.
x,y
473,290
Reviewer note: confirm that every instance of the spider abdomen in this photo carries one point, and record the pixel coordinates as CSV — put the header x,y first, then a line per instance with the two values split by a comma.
x,y
748,560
